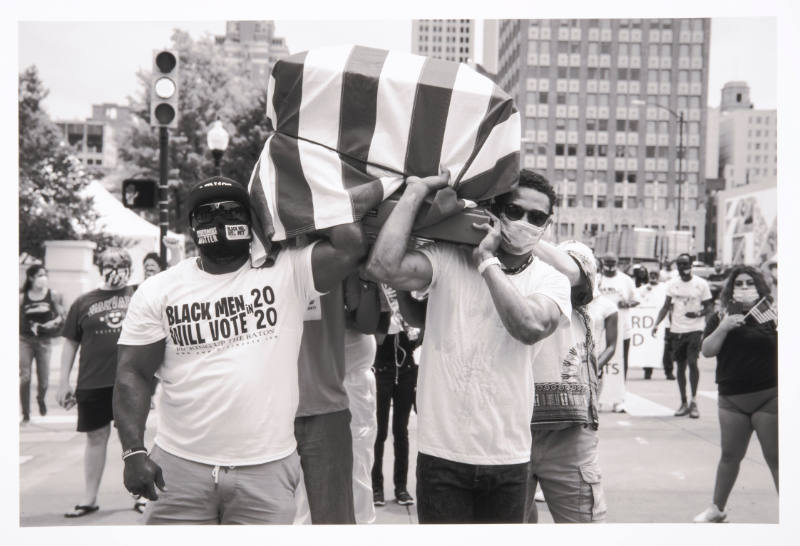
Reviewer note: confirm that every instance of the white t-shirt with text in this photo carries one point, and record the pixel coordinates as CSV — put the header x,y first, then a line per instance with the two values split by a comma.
x,y
619,288
687,296
229,376
475,389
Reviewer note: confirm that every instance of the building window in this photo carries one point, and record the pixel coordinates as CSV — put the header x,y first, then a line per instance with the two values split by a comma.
x,y
618,201
601,201
590,150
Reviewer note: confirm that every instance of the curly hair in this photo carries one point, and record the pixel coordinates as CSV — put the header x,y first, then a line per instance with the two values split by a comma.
x,y
529,179
114,256
726,295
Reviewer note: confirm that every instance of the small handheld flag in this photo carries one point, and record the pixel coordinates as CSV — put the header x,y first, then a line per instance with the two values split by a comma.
x,y
763,312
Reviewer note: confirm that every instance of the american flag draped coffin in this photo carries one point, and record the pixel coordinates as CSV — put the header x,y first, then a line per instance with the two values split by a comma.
x,y
351,122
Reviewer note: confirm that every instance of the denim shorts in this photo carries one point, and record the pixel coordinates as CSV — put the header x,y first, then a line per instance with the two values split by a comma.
x,y
202,494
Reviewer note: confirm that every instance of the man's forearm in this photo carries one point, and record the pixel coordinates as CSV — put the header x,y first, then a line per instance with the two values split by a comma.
x,y
522,318
132,393
67,359
661,314
390,246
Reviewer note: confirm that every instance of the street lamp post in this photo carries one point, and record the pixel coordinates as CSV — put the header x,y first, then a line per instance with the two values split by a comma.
x,y
217,140
681,152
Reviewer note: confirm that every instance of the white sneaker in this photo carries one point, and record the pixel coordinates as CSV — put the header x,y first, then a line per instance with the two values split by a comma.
x,y
711,514
539,496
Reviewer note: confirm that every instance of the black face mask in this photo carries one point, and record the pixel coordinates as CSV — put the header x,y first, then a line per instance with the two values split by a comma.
x,y
223,241
684,270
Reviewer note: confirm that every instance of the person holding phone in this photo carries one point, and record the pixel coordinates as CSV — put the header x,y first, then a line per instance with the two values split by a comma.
x,y
41,313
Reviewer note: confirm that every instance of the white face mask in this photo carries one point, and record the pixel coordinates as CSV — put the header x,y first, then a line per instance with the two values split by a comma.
x,y
745,294
519,236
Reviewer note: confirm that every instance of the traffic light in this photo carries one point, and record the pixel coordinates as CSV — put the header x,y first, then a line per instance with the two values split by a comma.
x,y
164,89
139,193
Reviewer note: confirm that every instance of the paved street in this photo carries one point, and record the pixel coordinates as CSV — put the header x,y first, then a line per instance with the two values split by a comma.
x,y
656,467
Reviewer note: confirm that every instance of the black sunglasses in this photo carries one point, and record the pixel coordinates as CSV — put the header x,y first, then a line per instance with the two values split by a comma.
x,y
229,210
515,212
744,282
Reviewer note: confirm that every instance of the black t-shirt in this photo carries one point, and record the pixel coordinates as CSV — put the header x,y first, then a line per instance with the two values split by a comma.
x,y
95,320
748,358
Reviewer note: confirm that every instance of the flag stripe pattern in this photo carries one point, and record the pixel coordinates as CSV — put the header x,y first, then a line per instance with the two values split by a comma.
x,y
351,122
763,312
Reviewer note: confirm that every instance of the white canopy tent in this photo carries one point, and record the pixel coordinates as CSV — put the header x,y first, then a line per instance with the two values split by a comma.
x,y
115,219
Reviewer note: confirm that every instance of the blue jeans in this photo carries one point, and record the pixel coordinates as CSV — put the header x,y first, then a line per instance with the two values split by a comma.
x,y
451,492
31,348
325,446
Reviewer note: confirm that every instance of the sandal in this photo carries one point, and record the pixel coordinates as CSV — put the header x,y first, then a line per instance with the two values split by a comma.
x,y
81,510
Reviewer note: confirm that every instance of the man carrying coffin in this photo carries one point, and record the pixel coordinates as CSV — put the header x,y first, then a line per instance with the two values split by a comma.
x,y
487,309
223,337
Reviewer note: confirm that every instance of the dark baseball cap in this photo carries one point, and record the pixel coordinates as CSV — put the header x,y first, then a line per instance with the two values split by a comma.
x,y
214,189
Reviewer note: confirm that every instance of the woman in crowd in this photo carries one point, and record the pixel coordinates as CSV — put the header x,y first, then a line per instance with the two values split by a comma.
x,y
747,379
41,313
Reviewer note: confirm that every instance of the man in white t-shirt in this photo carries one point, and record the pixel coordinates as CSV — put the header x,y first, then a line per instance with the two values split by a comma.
x,y
621,289
223,337
688,302
487,310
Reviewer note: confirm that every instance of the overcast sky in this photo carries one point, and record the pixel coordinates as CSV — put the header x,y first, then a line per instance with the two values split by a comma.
x,y
83,63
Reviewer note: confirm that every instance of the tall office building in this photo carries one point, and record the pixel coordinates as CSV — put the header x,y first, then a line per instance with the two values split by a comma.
x,y
600,100
253,42
448,39
748,139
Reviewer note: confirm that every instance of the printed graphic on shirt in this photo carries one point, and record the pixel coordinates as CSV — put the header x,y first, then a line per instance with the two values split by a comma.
x,y
110,312
313,310
203,326
571,365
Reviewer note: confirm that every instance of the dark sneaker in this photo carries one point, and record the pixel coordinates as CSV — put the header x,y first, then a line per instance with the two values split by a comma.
x,y
377,498
693,413
683,410
42,408
402,497
670,377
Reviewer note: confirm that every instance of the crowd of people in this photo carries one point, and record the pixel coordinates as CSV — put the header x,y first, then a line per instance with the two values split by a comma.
x,y
277,382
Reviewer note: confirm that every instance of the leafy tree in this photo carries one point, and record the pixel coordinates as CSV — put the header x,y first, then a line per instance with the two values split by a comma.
x,y
210,87
50,176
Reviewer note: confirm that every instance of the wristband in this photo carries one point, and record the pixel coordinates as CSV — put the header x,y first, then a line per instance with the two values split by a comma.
x,y
133,451
486,263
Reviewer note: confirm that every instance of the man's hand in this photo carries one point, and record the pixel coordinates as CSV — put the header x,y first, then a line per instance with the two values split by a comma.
x,y
63,394
428,184
693,314
488,246
654,331
171,241
141,476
